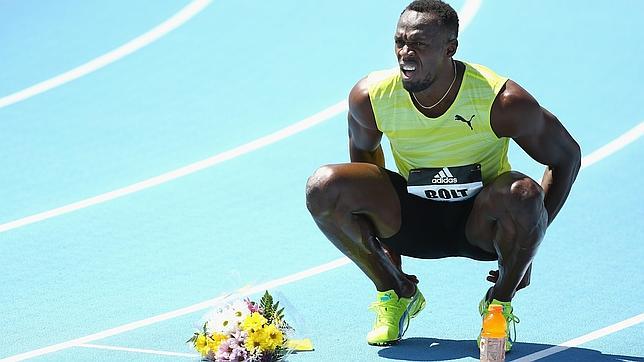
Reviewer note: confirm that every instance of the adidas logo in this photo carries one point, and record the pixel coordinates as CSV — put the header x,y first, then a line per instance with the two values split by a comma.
x,y
444,177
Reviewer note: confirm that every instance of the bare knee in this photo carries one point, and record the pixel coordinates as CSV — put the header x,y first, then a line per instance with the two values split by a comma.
x,y
524,202
322,190
520,198
525,192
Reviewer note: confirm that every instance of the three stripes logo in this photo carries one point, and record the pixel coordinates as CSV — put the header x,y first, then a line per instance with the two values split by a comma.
x,y
444,177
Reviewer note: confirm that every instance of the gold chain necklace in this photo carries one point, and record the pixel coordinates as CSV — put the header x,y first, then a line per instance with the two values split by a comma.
x,y
443,97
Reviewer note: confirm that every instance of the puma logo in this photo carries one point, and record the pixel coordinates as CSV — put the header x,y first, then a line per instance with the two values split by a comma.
x,y
469,123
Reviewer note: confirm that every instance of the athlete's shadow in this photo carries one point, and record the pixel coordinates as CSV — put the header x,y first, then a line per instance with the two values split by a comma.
x,y
434,349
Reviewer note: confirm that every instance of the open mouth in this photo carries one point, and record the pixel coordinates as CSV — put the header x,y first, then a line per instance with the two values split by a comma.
x,y
408,69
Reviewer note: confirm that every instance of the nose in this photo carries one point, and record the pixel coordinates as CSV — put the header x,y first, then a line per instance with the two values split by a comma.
x,y
406,51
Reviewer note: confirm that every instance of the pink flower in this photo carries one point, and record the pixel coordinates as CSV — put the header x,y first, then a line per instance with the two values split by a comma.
x,y
238,354
232,349
223,353
239,337
252,306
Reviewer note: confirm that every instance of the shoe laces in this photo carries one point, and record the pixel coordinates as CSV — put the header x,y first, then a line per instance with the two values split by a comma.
x,y
511,318
384,309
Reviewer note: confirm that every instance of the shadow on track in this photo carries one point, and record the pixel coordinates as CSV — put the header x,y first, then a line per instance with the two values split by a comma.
x,y
434,349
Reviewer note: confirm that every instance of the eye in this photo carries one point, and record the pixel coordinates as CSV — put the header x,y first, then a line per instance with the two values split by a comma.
x,y
399,42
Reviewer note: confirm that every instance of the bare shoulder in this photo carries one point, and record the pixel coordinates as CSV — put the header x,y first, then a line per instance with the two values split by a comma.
x,y
515,112
360,105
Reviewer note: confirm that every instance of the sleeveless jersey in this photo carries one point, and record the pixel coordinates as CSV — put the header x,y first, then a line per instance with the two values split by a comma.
x,y
461,136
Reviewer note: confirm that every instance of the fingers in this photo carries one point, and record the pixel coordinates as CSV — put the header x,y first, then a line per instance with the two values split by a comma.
x,y
493,276
412,278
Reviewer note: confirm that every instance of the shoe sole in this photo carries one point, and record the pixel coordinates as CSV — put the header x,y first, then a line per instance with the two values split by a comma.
x,y
420,309
384,344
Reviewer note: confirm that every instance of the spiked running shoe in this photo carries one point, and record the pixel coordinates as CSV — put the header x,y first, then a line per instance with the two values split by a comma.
x,y
509,318
392,316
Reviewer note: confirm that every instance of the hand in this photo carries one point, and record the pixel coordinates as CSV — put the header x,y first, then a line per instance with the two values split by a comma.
x,y
412,278
493,276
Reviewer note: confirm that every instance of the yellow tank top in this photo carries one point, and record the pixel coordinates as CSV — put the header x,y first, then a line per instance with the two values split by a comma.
x,y
461,136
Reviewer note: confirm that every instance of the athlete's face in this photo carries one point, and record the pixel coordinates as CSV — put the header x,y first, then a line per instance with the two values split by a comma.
x,y
422,48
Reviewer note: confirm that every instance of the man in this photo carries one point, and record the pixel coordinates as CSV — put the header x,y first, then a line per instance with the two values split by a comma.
x,y
449,125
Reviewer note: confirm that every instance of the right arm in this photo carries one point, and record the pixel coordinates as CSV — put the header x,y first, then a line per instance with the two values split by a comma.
x,y
364,136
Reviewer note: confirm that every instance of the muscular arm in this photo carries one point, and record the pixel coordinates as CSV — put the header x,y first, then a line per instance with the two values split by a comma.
x,y
364,136
516,114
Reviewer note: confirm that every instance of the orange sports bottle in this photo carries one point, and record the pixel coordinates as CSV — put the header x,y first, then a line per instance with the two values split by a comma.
x,y
494,335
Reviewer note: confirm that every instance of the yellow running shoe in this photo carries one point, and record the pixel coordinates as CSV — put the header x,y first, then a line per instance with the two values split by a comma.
x,y
392,316
509,318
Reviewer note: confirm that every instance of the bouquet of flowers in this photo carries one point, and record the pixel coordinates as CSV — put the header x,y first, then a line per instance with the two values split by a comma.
x,y
244,331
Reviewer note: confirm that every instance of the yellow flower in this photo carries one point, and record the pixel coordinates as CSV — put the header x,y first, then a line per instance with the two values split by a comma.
x,y
215,340
201,345
258,339
218,337
253,322
274,335
205,344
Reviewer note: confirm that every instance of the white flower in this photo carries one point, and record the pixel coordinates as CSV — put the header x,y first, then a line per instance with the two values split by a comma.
x,y
228,320
240,310
222,322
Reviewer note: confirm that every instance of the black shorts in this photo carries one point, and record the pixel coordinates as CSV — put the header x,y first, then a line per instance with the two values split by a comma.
x,y
432,229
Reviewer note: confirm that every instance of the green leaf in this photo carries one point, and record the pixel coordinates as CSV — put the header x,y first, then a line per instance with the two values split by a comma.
x,y
266,301
267,307
193,339
278,354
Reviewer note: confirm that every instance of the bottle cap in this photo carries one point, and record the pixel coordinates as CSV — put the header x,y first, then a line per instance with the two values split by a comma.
x,y
494,307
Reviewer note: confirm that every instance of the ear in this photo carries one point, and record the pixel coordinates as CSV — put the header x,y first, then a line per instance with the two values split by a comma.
x,y
452,45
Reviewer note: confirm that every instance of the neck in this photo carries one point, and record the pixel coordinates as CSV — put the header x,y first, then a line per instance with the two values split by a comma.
x,y
446,76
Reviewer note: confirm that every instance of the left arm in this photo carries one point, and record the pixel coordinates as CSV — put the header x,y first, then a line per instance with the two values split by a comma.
x,y
516,114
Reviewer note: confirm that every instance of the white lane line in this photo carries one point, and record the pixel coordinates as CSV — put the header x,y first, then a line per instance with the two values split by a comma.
x,y
179,312
583,339
467,12
138,350
299,276
206,304
613,146
133,45
248,291
186,170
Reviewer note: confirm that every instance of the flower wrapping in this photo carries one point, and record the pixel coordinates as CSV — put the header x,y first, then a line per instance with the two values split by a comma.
x,y
244,330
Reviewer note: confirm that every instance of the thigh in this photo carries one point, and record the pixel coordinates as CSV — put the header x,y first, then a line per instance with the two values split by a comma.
x,y
491,205
358,189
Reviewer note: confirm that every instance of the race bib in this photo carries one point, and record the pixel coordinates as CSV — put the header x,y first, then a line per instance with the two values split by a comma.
x,y
447,183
